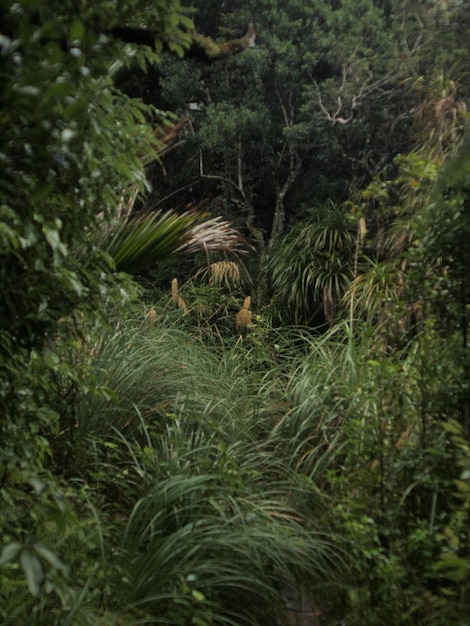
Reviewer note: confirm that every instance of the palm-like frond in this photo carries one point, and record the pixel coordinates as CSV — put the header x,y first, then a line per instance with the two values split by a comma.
x,y
147,239
313,266
378,288
440,116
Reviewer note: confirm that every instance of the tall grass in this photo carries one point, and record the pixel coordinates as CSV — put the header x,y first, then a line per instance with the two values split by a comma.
x,y
222,479
204,519
365,425
316,396
196,547
136,373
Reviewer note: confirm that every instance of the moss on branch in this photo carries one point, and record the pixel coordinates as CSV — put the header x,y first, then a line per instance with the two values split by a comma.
x,y
200,47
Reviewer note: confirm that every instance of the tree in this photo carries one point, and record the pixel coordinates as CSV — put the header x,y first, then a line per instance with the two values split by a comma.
x,y
290,123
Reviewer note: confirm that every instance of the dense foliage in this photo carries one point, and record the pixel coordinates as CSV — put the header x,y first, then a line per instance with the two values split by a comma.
x,y
273,428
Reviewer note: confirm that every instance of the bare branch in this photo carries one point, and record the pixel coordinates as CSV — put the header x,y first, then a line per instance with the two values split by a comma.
x,y
222,179
354,101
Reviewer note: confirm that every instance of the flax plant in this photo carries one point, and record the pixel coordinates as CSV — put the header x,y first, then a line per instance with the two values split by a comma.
x,y
314,264
144,240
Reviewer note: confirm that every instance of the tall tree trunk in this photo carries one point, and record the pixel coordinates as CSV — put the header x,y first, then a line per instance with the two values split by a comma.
x,y
277,227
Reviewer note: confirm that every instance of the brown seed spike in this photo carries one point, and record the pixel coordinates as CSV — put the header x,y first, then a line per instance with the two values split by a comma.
x,y
152,317
182,305
244,316
174,289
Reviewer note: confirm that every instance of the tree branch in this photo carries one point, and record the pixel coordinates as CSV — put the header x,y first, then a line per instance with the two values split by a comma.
x,y
201,47
355,100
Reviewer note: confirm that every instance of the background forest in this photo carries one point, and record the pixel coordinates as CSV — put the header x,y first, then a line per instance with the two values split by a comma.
x,y
234,314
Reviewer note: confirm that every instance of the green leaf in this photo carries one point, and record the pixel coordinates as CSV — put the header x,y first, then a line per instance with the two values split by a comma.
x,y
27,90
52,235
452,427
455,567
51,558
38,485
198,596
10,552
77,31
33,571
